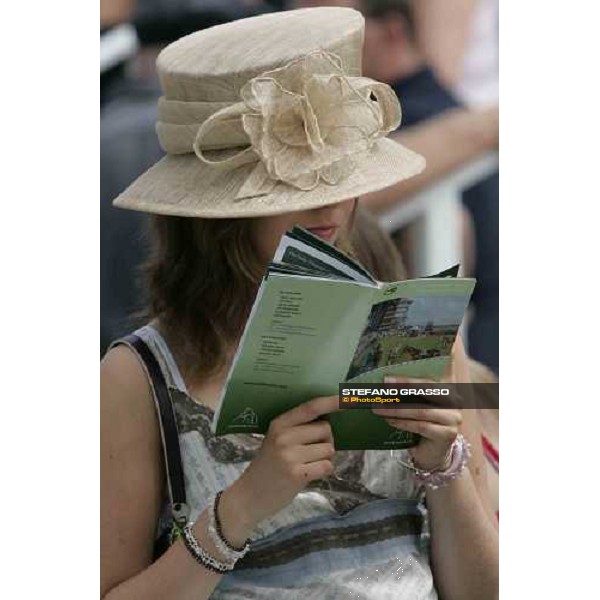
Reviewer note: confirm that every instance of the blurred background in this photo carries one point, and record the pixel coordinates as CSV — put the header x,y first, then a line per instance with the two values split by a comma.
x,y
441,58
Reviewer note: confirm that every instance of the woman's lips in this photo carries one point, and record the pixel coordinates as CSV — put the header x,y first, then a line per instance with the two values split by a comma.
x,y
326,232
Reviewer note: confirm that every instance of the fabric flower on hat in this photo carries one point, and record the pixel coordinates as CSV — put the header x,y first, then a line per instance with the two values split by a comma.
x,y
306,120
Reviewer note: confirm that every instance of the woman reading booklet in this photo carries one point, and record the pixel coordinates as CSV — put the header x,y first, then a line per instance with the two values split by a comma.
x,y
267,124
321,319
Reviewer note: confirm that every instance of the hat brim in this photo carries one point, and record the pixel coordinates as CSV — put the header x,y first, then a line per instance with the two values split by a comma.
x,y
182,185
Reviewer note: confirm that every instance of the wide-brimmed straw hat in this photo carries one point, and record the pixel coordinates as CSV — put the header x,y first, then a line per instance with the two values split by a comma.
x,y
269,115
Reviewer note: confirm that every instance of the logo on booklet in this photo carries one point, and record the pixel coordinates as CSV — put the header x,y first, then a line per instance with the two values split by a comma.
x,y
247,418
399,437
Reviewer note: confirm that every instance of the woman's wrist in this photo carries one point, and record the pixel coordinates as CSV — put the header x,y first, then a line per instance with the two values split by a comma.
x,y
235,513
451,469
435,464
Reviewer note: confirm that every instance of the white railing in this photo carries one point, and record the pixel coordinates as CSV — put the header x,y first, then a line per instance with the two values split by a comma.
x,y
435,214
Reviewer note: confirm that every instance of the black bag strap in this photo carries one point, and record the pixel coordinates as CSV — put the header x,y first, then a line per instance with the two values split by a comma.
x,y
168,424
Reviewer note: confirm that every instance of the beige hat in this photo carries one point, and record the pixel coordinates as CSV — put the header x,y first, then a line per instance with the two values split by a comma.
x,y
269,115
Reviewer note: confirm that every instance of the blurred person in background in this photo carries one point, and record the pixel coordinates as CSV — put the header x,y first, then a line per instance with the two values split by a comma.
x,y
459,39
438,126
160,22
128,146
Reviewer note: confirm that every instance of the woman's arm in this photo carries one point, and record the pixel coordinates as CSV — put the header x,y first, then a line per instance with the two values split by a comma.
x,y
447,141
296,450
464,538
443,29
460,372
132,484
464,535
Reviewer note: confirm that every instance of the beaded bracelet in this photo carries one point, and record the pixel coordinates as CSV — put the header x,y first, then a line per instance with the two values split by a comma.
x,y
215,531
200,555
459,455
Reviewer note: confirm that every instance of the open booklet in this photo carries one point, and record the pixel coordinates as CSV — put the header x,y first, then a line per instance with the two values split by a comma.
x,y
321,319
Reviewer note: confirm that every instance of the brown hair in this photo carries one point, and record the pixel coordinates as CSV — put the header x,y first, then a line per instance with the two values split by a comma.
x,y
201,280
376,249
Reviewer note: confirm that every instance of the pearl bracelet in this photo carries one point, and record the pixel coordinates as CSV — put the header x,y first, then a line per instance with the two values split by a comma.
x,y
215,532
201,556
459,455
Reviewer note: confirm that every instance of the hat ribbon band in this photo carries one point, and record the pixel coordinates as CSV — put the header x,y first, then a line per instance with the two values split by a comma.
x,y
300,138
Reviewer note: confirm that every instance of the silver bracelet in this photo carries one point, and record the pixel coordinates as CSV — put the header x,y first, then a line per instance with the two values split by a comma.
x,y
230,552
200,555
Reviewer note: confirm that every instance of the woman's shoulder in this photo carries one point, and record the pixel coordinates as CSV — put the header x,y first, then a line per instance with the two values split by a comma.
x,y
125,392
121,370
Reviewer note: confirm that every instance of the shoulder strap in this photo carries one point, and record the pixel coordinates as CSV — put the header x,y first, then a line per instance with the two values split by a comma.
x,y
168,424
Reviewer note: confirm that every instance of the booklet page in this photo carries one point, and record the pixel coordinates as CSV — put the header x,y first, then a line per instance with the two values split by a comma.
x,y
309,253
297,346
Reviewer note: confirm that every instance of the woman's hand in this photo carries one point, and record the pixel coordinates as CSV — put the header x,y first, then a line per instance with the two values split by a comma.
x,y
297,449
438,428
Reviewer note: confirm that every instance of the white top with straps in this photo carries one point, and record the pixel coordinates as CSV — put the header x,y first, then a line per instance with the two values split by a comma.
x,y
213,463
